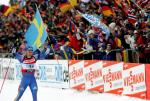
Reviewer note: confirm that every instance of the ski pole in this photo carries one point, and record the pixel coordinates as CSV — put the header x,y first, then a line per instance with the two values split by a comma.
x,y
5,76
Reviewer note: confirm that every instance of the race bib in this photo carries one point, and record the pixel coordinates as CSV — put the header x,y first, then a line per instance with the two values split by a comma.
x,y
28,66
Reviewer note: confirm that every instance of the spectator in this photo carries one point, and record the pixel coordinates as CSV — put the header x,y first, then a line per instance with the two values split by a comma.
x,y
128,26
108,54
66,51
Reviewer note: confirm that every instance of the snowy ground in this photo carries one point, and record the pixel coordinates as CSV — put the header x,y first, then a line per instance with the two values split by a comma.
x,y
54,94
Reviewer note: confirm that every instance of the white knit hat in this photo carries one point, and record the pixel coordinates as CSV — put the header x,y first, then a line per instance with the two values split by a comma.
x,y
90,32
112,25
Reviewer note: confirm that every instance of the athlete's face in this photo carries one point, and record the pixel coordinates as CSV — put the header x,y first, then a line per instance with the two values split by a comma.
x,y
29,53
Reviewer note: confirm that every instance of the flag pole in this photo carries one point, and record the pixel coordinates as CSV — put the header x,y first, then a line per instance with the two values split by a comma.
x,y
138,6
49,39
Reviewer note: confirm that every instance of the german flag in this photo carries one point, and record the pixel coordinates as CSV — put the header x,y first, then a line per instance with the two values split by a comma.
x,y
107,11
3,8
118,2
65,7
6,10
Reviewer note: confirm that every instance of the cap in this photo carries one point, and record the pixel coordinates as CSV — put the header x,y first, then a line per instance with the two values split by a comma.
x,y
112,25
29,48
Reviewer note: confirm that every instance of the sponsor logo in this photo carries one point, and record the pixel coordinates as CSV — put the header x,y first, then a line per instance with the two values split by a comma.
x,y
76,73
112,76
93,74
133,79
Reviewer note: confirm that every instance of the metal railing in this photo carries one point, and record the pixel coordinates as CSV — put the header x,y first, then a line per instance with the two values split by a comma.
x,y
6,55
128,55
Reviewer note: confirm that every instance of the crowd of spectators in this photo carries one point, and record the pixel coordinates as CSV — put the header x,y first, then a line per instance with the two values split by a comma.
x,y
70,36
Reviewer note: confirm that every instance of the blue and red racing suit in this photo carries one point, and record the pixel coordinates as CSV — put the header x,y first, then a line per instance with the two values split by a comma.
x,y
28,78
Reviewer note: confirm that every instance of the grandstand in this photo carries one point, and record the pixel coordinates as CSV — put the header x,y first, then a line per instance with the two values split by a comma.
x,y
124,29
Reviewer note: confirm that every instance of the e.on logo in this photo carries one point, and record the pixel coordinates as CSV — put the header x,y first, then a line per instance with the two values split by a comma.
x,y
133,79
93,74
112,76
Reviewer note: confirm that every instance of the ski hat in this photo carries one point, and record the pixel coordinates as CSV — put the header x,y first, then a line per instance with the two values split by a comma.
x,y
112,25
90,32
29,48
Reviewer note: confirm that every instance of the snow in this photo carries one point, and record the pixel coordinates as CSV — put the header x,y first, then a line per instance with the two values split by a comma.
x,y
48,94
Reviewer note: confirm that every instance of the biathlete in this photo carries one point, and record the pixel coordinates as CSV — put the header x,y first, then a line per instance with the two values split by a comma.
x,y
28,69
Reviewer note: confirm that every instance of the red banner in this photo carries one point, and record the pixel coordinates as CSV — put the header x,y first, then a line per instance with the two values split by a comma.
x,y
147,70
129,79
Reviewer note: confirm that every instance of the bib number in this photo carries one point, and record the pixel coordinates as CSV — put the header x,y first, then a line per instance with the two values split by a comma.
x,y
28,66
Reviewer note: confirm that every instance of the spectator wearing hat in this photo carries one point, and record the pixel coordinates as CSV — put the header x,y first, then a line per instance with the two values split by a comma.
x,y
109,54
147,51
47,52
130,39
140,46
66,51
22,47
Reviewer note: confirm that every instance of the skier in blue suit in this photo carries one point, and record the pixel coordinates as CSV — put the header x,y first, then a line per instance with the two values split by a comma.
x,y
28,69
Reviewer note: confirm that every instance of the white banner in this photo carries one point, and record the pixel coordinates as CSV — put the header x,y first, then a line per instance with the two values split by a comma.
x,y
134,80
53,73
76,74
112,76
7,65
93,75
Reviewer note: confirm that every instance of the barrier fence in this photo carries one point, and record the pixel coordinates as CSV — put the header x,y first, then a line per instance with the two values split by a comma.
x,y
6,55
129,79
127,55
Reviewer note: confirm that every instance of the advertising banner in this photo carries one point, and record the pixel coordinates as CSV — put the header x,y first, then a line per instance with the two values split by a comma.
x,y
93,75
18,74
77,80
134,80
7,65
147,71
53,73
112,76
129,79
